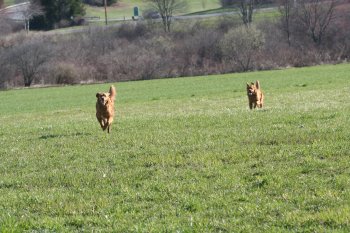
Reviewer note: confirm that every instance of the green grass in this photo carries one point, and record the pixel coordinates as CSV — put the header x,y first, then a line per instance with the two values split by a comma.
x,y
219,9
9,2
125,8
184,155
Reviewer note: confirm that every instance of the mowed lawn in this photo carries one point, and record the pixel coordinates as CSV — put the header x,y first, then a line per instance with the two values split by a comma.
x,y
184,155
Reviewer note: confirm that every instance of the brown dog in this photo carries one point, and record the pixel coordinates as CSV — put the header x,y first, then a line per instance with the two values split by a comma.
x,y
255,95
105,108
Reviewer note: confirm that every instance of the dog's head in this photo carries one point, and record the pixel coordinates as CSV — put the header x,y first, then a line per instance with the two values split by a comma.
x,y
253,88
105,97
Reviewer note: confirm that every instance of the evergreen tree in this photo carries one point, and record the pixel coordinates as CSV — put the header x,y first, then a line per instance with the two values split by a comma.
x,y
56,12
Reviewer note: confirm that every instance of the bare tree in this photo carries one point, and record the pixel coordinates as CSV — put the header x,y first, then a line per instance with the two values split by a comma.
x,y
33,9
315,16
246,10
166,9
28,58
105,6
285,8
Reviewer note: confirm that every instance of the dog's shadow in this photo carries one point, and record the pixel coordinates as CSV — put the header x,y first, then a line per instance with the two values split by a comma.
x,y
51,136
264,110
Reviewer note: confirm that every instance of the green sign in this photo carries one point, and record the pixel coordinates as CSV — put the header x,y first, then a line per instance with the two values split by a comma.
x,y
136,11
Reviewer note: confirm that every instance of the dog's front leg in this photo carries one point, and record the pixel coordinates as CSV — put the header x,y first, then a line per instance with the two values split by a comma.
x,y
110,120
99,119
105,124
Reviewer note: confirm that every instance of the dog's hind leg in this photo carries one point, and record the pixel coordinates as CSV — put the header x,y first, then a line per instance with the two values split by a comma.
x,y
261,100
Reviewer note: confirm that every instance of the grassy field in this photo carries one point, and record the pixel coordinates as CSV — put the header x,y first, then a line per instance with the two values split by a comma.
x,y
124,8
9,2
184,155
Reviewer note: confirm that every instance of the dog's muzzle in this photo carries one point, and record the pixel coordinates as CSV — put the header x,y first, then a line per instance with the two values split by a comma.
x,y
102,101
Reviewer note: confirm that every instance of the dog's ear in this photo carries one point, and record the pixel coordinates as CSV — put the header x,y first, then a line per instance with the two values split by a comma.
x,y
98,95
248,85
257,84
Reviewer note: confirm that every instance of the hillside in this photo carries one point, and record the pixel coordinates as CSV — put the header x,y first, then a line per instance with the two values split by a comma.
x,y
125,8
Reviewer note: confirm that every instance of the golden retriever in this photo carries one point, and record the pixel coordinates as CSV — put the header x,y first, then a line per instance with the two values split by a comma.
x,y
255,95
105,108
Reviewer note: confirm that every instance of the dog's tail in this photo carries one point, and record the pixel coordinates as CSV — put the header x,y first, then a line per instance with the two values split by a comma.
x,y
257,84
112,92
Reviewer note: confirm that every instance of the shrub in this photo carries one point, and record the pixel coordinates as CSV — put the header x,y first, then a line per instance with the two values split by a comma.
x,y
241,44
150,14
66,73
131,63
131,31
198,52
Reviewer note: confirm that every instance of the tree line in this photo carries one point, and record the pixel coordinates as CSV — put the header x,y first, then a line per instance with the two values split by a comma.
x,y
144,50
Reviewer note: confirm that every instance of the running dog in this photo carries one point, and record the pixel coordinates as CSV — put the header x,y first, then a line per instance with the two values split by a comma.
x,y
255,95
105,108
